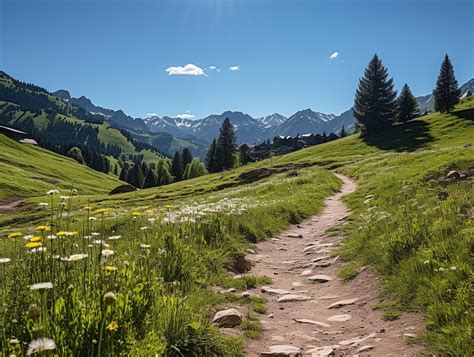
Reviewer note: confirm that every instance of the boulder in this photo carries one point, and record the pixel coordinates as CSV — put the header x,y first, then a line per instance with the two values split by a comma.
x,y
227,318
453,175
122,189
319,278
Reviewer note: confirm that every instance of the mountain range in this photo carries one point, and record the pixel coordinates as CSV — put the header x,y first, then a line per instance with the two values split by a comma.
x,y
248,129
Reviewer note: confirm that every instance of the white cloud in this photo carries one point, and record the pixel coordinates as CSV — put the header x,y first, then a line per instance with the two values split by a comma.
x,y
151,114
185,116
212,67
334,55
234,68
187,70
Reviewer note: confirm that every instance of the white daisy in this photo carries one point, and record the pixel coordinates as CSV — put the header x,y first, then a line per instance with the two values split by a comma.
x,y
107,252
40,345
4,260
52,192
40,286
115,237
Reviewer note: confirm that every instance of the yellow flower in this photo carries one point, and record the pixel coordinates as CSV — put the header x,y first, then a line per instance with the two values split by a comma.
x,y
43,228
35,239
15,235
135,214
33,245
113,326
146,207
87,208
168,206
61,234
110,268
102,210
149,211
73,233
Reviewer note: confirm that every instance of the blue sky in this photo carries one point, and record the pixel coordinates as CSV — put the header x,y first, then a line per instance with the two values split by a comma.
x,y
117,52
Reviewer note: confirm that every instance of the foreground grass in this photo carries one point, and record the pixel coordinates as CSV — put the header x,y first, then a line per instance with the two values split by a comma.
x,y
138,279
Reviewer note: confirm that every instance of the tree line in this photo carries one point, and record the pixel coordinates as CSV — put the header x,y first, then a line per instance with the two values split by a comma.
x,y
376,106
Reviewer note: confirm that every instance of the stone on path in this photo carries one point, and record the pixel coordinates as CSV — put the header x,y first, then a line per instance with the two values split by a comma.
x,y
341,303
276,291
227,318
322,257
324,351
282,351
319,278
356,340
296,284
365,348
339,318
312,322
293,297
306,272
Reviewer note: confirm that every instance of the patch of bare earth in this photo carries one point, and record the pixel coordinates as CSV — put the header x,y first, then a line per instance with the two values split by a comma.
x,y
310,311
10,203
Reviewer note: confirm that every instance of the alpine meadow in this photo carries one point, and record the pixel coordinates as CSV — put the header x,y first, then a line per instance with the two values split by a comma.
x,y
162,229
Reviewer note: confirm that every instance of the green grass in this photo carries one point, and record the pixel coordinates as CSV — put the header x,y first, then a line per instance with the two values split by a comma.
x,y
420,245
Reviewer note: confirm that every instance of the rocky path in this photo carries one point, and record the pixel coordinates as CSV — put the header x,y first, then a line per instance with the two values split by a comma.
x,y
312,313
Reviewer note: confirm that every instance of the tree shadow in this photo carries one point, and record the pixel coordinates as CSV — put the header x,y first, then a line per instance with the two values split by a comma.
x,y
464,114
408,136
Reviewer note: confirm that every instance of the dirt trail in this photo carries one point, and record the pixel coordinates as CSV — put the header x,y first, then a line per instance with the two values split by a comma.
x,y
10,203
299,261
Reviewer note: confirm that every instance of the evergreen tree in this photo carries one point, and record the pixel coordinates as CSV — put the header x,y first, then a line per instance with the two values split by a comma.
x,y
124,173
407,107
244,153
186,157
343,132
76,154
150,179
177,166
211,157
194,169
145,169
375,99
116,170
135,176
225,149
446,93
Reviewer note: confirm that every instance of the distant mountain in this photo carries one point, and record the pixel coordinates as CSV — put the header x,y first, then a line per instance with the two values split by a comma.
x,y
426,102
304,121
272,120
117,117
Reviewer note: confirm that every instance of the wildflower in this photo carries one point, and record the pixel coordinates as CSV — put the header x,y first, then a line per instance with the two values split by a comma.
x,y
4,260
87,208
51,236
74,191
72,234
34,312
426,262
37,250
14,341
151,220
43,228
35,239
61,234
441,269
33,245
145,246
42,204
40,345
75,257
453,268
52,192
149,211
168,206
102,210
40,286
115,237
95,234
64,197
136,214
92,219
15,235
28,237
107,252
143,228
110,268
113,326
110,298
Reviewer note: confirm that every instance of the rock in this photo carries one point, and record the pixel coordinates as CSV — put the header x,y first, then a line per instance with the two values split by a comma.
x,y
251,251
453,175
293,297
282,351
269,290
356,340
312,322
339,318
296,284
239,264
245,294
323,257
319,278
409,335
341,303
470,173
294,236
231,290
322,264
365,348
306,272
227,318
122,189
442,196
324,351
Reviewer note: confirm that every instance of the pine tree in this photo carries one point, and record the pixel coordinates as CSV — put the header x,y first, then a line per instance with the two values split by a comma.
x,y
150,179
375,99
116,170
343,132
124,172
446,93
177,166
186,157
225,149
135,176
145,169
211,157
407,107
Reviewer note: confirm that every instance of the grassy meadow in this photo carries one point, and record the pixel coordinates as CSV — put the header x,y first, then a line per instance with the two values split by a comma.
x,y
136,273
